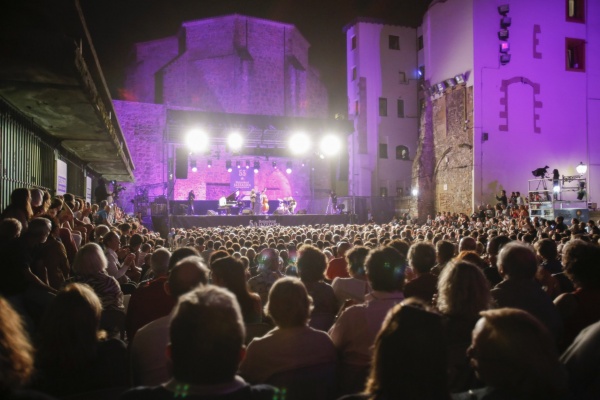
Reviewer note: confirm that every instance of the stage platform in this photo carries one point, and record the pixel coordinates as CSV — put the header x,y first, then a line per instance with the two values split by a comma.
x,y
163,223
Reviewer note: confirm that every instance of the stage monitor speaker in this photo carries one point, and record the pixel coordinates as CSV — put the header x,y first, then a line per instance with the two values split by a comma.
x,y
301,212
181,163
246,211
277,212
212,213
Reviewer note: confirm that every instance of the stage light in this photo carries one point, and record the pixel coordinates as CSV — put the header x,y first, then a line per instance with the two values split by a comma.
x,y
503,9
321,156
288,167
228,166
235,141
256,167
197,140
299,143
303,163
504,58
581,168
330,145
504,47
247,164
450,82
274,164
193,165
505,22
238,164
440,87
209,163
415,192
503,34
460,79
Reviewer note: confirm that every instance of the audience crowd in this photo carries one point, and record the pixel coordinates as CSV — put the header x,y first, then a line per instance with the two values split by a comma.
x,y
495,305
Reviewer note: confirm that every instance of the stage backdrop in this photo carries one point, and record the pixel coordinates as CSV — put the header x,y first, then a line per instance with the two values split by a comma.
x,y
241,179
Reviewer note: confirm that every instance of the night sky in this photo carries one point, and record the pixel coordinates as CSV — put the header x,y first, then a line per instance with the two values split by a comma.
x,y
116,24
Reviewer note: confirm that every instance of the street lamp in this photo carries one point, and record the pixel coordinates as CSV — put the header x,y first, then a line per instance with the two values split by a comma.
x,y
581,168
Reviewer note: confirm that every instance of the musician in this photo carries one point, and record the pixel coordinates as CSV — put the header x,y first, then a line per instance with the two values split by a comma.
x,y
191,198
264,201
252,199
333,197
291,205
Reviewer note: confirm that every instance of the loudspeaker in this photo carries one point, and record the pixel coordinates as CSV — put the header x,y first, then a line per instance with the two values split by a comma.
x,y
181,163
247,211
212,213
301,212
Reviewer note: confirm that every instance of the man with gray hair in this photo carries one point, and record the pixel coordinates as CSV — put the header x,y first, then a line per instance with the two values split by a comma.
x,y
149,301
207,344
517,265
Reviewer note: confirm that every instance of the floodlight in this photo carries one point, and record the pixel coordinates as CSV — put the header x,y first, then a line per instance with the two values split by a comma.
x,y
581,168
247,164
330,145
238,164
235,141
193,165
288,167
415,192
460,79
228,165
504,47
197,140
209,163
503,34
256,167
274,164
299,143
504,58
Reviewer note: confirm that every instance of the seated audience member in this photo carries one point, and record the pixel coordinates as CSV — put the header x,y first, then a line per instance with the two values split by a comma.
x,y
268,273
356,286
17,357
519,289
292,344
116,268
408,357
149,364
207,345
493,249
10,228
354,332
338,267
311,266
149,301
515,356
421,258
463,292
73,357
19,207
53,264
230,273
444,253
582,362
580,308
546,249
467,243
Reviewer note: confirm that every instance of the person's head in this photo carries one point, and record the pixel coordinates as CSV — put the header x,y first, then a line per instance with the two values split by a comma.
x,y
186,275
268,259
37,197
229,273
514,352
39,230
409,357
355,258
422,257
445,251
69,330
494,246
159,261
16,351
311,263
207,337
99,232
21,198
112,240
385,269
10,228
463,290
180,254
89,260
467,243
135,242
517,261
342,248
289,304
401,246
580,260
546,249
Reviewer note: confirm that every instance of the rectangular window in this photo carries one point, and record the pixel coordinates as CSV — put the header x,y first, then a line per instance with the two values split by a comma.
x,y
400,108
394,42
383,150
402,77
353,41
575,10
575,54
420,43
353,73
382,107
383,191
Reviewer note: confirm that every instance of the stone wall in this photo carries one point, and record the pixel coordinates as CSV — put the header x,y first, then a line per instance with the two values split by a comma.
x,y
443,168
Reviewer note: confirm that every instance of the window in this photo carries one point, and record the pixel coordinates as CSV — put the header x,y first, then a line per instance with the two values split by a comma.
x,y
353,41
382,107
420,43
575,54
402,153
400,108
402,77
383,191
394,42
353,73
575,10
383,150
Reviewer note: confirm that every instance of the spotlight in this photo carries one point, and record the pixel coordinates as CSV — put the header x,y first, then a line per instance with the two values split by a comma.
x,y
581,168
321,156
503,34
330,145
540,172
303,163
299,143
460,79
504,58
247,164
193,165
197,140
450,82
440,87
256,167
504,47
415,192
228,165
238,164
288,167
503,9
505,22
209,163
235,142
274,164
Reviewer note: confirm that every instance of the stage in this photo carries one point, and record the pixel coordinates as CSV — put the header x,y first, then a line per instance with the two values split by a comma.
x,y
163,223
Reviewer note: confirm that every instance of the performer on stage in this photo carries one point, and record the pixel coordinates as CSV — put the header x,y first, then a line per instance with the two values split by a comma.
x,y
253,200
333,198
264,200
191,198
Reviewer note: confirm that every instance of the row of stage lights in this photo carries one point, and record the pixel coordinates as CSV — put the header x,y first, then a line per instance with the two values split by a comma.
x,y
238,165
299,143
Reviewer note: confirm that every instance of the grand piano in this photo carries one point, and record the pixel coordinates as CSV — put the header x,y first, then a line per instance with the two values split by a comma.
x,y
232,204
